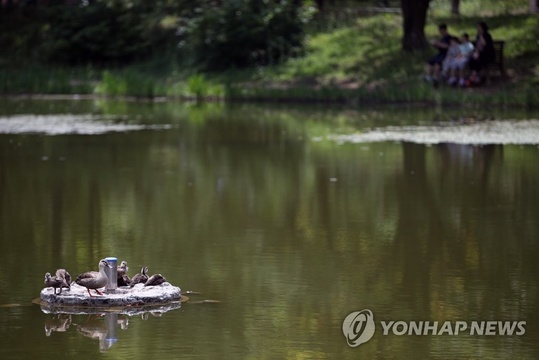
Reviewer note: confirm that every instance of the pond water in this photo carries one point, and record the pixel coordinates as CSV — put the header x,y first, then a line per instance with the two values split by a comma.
x,y
291,218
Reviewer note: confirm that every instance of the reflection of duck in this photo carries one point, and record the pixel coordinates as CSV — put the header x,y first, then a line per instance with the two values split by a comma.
x,y
95,329
93,279
146,315
59,324
55,283
63,274
123,279
156,279
123,321
141,277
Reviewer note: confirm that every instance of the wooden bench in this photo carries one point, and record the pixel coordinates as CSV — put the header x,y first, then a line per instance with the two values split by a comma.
x,y
498,63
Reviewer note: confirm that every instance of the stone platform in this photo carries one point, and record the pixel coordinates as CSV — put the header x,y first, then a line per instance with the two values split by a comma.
x,y
78,300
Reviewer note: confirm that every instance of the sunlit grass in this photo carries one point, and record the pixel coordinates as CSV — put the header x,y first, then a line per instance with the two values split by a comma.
x,y
357,52
367,56
482,8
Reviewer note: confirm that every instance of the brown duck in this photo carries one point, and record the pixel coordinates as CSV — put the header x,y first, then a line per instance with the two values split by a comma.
x,y
63,274
123,279
55,283
140,278
156,279
93,279
122,269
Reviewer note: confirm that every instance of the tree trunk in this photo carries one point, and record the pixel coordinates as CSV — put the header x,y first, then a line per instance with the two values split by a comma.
x,y
414,13
455,7
533,6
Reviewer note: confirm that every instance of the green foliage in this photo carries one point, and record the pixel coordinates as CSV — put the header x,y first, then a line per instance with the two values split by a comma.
x,y
129,83
197,85
365,50
20,35
242,33
480,7
134,82
255,49
393,93
101,33
45,80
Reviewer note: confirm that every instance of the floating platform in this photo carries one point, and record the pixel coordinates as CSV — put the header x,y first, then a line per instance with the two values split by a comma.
x,y
76,300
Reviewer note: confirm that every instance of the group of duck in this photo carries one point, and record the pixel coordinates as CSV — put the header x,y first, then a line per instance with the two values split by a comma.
x,y
98,279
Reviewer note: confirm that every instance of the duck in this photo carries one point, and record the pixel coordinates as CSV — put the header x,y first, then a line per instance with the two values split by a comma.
x,y
63,274
140,278
122,269
55,283
93,279
123,279
156,279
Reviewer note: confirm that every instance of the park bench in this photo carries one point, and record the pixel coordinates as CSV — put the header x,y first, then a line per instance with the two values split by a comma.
x,y
498,63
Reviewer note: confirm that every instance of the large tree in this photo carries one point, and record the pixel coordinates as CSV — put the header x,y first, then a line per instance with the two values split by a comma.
x,y
414,13
455,7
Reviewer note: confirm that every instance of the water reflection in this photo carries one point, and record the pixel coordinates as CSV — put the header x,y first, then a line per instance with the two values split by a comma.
x,y
57,323
104,330
95,324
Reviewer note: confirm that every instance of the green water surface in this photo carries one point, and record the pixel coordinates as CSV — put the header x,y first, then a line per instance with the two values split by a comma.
x,y
289,234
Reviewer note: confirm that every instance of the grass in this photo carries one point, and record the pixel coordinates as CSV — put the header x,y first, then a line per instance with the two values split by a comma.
x,y
130,82
46,80
353,61
366,56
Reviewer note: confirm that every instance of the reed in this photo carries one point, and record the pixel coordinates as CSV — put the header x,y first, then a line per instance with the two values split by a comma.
x,y
45,80
200,88
392,92
130,83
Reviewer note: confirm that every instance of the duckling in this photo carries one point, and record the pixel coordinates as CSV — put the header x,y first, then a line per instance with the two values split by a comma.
x,y
93,279
123,279
63,274
122,269
156,279
141,277
55,283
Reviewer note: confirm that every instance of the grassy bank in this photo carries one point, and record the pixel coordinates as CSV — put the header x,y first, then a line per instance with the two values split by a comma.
x,y
354,60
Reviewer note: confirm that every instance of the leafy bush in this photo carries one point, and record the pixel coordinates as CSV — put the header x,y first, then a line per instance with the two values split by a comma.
x,y
242,33
129,83
101,33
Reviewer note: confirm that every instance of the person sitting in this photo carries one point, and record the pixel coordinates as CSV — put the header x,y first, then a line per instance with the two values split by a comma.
x,y
483,54
434,64
452,54
458,64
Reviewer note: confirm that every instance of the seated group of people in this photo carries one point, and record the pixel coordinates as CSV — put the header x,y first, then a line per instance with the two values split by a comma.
x,y
455,54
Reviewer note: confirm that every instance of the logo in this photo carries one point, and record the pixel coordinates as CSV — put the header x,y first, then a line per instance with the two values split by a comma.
x,y
358,327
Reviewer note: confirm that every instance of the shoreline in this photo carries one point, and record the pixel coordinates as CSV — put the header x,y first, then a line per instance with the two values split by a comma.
x,y
351,101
